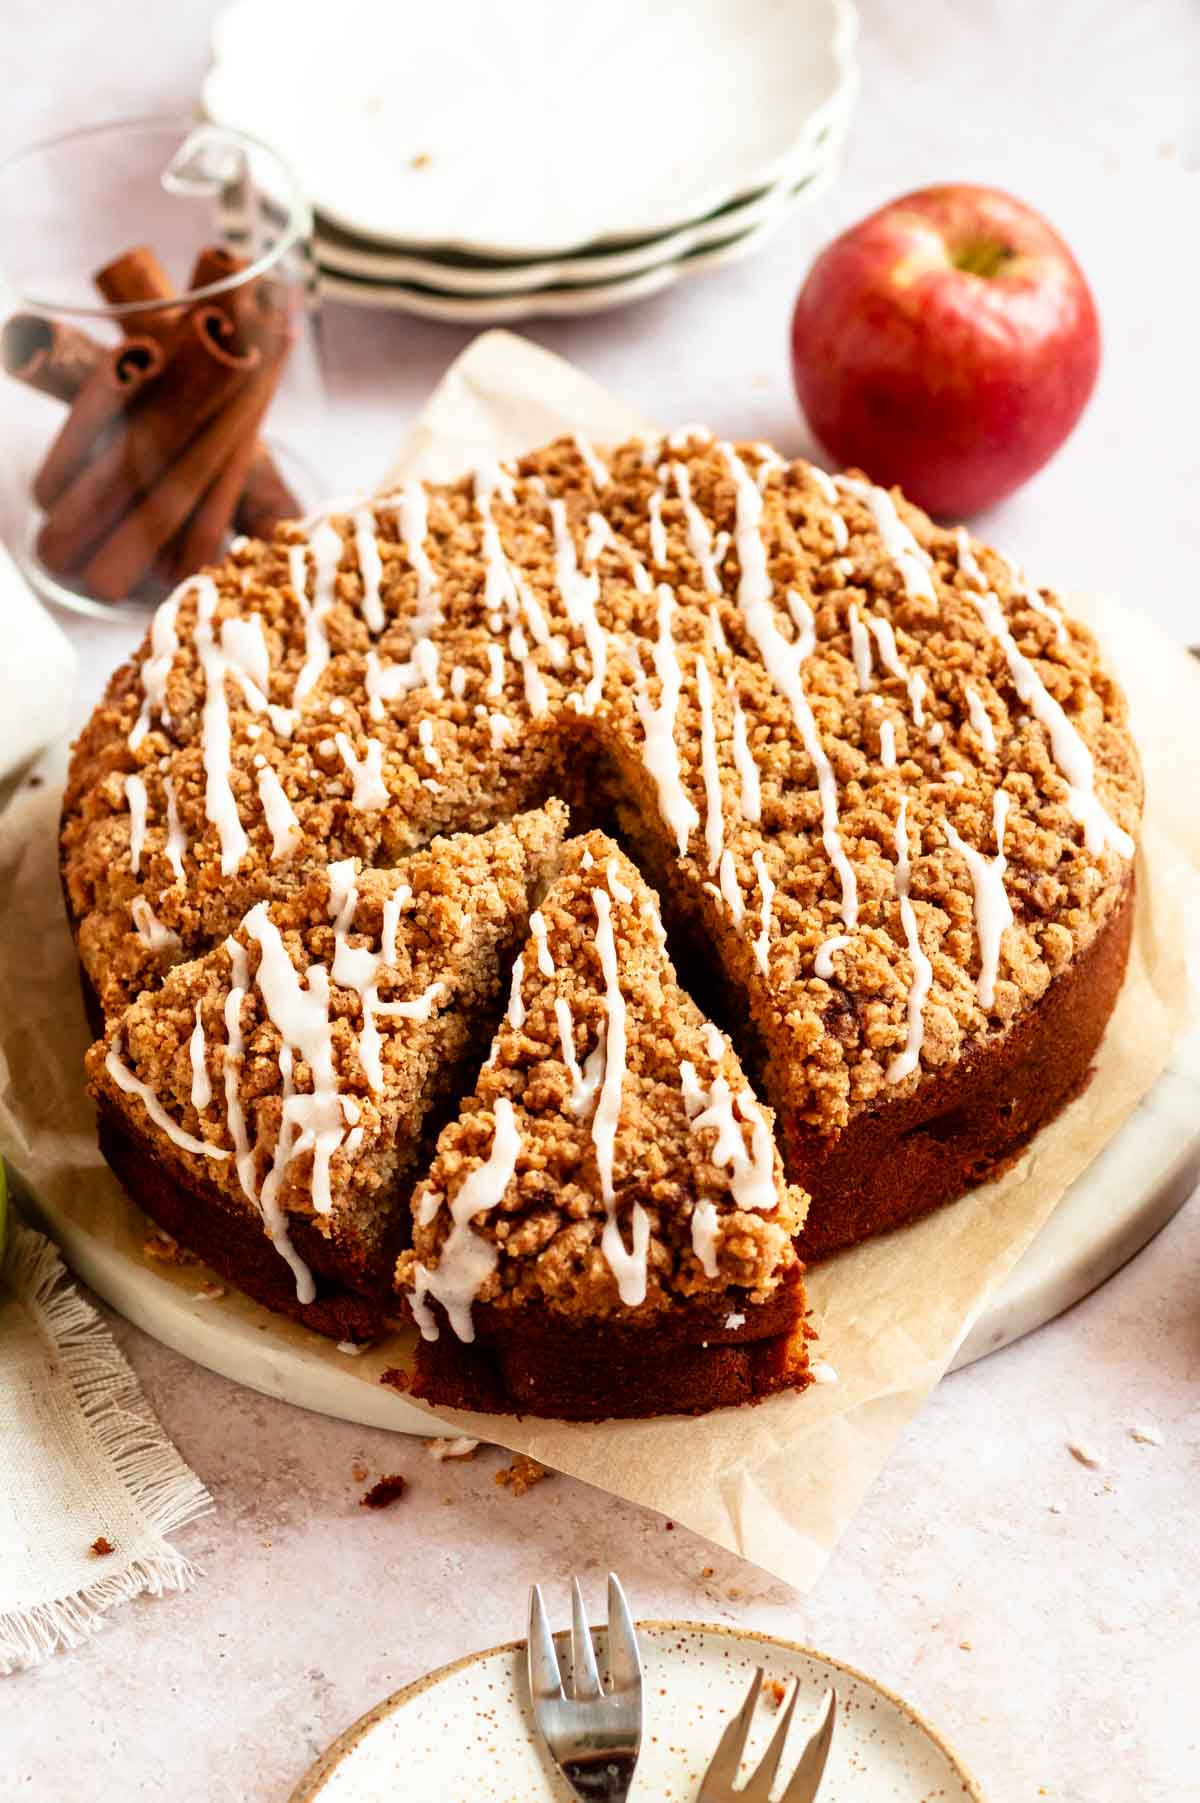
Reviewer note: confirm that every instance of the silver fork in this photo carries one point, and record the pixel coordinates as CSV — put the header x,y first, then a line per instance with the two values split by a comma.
x,y
594,1735
717,1785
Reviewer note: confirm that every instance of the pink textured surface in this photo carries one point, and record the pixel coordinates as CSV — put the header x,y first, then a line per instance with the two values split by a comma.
x,y
1081,1632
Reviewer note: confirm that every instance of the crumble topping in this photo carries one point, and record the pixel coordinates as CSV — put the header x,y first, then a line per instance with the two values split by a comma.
x,y
883,783
515,1207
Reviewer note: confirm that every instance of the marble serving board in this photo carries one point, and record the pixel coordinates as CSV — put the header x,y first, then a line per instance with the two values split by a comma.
x,y
1139,1181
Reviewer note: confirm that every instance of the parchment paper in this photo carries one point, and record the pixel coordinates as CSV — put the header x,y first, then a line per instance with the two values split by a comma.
x,y
777,1483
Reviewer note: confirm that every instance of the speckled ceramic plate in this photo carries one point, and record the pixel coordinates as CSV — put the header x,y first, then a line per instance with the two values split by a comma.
x,y
466,1730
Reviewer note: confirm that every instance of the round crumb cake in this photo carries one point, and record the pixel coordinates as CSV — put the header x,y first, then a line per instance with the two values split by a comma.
x,y
879,790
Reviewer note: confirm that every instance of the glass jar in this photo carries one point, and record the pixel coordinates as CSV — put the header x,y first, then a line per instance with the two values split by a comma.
x,y
160,347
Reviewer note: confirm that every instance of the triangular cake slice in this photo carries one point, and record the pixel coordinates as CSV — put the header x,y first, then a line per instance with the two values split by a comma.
x,y
605,1229
272,1101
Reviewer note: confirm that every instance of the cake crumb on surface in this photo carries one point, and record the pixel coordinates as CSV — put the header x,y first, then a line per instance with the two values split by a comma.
x,y
522,1474
459,1446
1147,1435
102,1546
774,1689
1084,1453
822,1373
359,1470
209,1291
383,1494
163,1249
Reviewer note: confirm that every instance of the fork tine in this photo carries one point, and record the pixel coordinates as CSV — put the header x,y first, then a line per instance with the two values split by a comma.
x,y
624,1663
758,1790
723,1766
586,1678
544,1679
806,1778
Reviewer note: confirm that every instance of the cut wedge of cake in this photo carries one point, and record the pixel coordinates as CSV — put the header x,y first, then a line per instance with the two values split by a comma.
x,y
269,1103
606,1228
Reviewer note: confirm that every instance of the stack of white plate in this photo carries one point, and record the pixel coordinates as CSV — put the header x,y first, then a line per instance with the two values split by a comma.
x,y
482,160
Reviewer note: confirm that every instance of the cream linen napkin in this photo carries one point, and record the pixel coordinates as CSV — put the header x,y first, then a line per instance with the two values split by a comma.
x,y
84,1467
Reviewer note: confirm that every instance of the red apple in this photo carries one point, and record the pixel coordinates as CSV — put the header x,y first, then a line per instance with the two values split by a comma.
x,y
948,343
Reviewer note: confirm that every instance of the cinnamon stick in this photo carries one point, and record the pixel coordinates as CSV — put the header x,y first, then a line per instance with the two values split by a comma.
x,y
265,499
109,391
137,275
201,376
55,359
213,467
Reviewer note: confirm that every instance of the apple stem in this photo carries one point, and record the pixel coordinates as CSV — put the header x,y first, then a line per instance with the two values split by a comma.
x,y
984,258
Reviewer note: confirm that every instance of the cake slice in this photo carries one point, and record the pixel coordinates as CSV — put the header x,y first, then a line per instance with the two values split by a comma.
x,y
605,1229
270,1103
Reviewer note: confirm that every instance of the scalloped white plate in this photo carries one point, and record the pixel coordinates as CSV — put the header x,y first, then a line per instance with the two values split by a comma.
x,y
533,127
564,302
340,253
466,1729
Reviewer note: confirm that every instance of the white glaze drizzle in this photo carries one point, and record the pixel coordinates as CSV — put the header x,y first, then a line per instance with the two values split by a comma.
x,y
750,798
595,468
699,532
706,1235
683,436
887,744
156,937
621,892
267,1204
432,755
466,1259
220,808
729,890
201,1083
716,631
993,911
823,959
579,593
782,661
326,547
537,927
980,719
124,1079
627,1266
769,462
922,975
156,667
893,663
176,844
751,1174
135,795
1068,750
280,816
658,532
660,753
766,891
370,790
458,682
860,647
413,508
899,543
300,1013
837,525
714,822
370,569
495,659
516,1002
